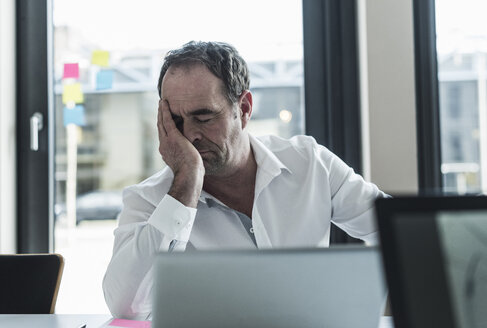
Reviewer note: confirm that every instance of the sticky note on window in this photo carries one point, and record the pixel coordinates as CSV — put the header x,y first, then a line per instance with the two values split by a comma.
x,y
74,115
100,58
104,79
72,93
71,70
129,323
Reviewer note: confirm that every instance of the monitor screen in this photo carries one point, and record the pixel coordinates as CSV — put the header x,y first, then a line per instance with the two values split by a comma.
x,y
435,256
463,239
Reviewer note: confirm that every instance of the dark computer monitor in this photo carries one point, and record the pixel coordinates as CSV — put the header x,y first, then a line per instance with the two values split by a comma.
x,y
435,257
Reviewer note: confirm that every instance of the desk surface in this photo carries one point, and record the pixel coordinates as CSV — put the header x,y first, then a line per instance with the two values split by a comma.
x,y
77,320
53,320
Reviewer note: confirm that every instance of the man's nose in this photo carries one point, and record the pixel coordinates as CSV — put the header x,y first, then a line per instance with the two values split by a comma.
x,y
191,132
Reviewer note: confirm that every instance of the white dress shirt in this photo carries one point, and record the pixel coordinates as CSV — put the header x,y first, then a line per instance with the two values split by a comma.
x,y
300,188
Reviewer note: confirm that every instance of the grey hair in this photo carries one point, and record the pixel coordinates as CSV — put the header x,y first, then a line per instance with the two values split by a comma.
x,y
222,59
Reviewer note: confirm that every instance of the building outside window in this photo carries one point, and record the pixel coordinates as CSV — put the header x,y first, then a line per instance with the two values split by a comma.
x,y
462,75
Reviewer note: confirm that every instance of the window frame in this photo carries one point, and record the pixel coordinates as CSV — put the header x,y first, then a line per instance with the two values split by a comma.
x,y
332,92
427,98
33,94
332,85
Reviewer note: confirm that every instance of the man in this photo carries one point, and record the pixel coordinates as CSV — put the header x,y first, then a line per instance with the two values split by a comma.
x,y
224,188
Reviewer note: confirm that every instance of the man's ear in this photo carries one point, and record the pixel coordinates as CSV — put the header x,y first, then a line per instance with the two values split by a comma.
x,y
245,107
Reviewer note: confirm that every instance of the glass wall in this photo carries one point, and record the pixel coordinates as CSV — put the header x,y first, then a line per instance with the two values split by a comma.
x,y
462,73
107,57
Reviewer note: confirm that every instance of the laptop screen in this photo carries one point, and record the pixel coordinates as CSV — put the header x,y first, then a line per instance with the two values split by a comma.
x,y
463,240
435,255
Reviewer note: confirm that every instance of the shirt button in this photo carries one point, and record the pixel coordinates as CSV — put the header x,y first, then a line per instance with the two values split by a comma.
x,y
252,230
179,222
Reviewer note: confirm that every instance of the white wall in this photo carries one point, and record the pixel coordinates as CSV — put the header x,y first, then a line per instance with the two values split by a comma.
x,y
7,127
388,94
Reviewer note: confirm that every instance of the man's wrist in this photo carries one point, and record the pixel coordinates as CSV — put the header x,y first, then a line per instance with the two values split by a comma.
x,y
186,187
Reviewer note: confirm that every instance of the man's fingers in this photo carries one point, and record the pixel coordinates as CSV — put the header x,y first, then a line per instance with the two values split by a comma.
x,y
160,125
167,121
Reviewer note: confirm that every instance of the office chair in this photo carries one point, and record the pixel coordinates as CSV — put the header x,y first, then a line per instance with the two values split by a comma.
x,y
29,283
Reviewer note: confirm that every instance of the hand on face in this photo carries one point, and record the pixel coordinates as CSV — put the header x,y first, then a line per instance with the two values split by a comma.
x,y
176,151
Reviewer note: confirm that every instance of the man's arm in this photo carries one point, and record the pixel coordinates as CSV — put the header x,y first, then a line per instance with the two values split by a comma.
x,y
146,228
352,198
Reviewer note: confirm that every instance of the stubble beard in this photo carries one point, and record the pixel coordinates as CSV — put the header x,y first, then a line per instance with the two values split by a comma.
x,y
214,165
216,161
214,158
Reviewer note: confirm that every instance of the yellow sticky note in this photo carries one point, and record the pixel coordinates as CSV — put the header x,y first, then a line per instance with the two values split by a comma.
x,y
100,58
72,93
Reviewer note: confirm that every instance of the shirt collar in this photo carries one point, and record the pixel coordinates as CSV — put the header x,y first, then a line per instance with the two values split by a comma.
x,y
266,161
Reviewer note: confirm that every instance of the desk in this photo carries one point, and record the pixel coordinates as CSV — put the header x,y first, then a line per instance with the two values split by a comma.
x,y
53,320
75,320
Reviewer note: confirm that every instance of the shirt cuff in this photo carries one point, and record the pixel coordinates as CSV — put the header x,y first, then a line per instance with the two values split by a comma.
x,y
173,219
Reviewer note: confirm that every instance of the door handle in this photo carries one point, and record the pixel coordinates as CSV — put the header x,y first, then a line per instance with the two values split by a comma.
x,y
36,125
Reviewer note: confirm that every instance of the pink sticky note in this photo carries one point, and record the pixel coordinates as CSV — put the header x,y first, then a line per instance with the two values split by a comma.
x,y
71,70
129,323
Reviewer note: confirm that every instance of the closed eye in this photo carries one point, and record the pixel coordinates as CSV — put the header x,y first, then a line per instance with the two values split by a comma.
x,y
202,121
203,115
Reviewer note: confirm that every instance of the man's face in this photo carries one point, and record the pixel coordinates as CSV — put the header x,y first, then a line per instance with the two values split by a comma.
x,y
204,116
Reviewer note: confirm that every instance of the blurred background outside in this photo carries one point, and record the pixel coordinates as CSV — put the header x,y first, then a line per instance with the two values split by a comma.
x,y
462,64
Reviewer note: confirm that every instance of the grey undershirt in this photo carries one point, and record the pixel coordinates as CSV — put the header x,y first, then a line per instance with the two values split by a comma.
x,y
244,219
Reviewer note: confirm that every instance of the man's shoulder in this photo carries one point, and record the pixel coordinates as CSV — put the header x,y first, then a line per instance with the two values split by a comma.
x,y
301,144
299,152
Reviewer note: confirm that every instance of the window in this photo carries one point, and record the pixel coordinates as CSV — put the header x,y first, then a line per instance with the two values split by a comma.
x,y
462,76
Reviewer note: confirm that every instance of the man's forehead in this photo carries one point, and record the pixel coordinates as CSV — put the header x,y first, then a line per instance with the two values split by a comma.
x,y
194,89
185,97
188,104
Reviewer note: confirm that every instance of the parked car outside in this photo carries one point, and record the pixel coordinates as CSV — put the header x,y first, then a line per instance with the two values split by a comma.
x,y
95,205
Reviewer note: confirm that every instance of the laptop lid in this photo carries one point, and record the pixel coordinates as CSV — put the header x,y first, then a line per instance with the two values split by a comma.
x,y
334,287
435,258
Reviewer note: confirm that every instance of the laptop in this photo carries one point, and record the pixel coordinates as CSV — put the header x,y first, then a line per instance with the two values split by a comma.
x,y
331,287
435,258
